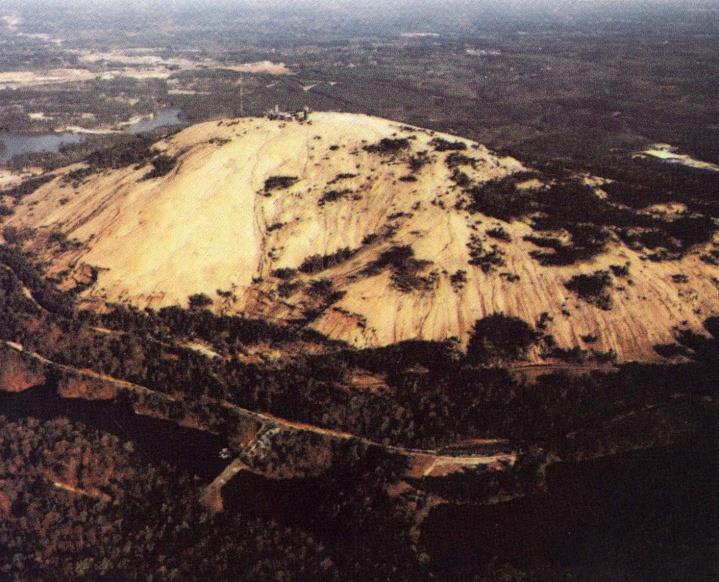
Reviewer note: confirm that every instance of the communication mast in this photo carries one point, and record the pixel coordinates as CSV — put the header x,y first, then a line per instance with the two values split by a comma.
x,y
242,97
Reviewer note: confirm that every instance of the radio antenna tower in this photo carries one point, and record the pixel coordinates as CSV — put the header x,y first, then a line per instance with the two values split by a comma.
x,y
242,97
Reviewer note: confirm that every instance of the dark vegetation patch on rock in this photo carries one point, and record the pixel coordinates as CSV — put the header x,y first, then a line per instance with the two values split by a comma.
x,y
322,290
442,145
460,178
161,166
370,239
284,273
499,337
695,346
340,177
334,195
588,220
500,198
711,257
289,287
406,270
59,240
499,233
27,187
458,279
593,288
319,263
418,161
585,242
388,146
279,183
487,259
456,159
275,226
620,270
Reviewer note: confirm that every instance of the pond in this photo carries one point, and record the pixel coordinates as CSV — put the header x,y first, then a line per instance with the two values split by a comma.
x,y
195,451
17,144
163,118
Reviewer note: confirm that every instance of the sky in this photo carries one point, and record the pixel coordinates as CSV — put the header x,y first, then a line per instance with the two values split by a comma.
x,y
361,5
377,10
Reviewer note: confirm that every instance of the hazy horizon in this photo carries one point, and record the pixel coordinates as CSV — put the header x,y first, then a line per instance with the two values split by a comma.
x,y
371,5
374,15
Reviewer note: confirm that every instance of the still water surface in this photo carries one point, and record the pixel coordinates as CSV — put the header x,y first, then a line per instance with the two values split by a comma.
x,y
16,144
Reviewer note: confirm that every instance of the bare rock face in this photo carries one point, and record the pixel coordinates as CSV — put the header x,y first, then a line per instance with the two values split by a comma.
x,y
17,372
366,230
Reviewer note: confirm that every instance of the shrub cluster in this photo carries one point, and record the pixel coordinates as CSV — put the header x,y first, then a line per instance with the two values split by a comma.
x,y
279,183
28,186
387,146
486,259
404,267
500,338
161,166
593,288
333,196
443,145
319,263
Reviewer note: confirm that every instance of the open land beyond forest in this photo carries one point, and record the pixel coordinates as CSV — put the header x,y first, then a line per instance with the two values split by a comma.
x,y
453,316
590,92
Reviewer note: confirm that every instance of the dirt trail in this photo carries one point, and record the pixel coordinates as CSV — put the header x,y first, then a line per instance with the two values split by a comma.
x,y
212,496
417,457
81,492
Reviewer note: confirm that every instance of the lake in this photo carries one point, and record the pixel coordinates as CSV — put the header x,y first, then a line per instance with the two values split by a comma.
x,y
16,144
158,440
